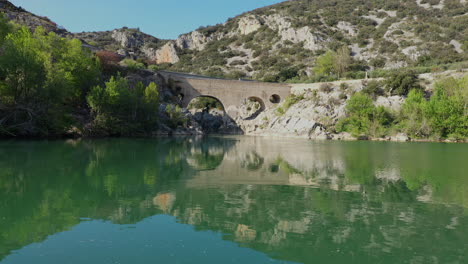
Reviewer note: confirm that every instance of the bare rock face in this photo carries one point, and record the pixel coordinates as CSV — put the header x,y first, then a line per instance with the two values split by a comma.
x,y
127,39
288,32
250,109
166,54
290,125
347,28
400,137
412,52
456,45
249,24
304,34
194,40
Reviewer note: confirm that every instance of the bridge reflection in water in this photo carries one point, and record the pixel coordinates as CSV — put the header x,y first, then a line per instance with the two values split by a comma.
x,y
294,200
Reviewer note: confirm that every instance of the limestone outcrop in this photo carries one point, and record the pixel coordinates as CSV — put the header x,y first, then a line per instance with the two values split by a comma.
x,y
127,38
249,24
194,40
286,31
166,54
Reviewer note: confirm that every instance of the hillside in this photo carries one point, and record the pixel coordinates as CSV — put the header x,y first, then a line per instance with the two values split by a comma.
x,y
283,41
128,42
53,85
291,35
20,16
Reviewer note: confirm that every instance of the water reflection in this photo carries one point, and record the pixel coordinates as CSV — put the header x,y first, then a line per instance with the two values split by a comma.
x,y
325,202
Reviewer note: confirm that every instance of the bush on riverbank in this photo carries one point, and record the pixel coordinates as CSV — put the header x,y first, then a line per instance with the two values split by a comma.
x,y
122,110
48,88
443,116
363,118
43,81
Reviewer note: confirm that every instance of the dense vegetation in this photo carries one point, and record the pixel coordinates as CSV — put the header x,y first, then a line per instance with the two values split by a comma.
x,y
119,110
443,116
48,84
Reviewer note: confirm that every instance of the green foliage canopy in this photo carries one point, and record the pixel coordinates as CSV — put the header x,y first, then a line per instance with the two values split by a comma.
x,y
42,79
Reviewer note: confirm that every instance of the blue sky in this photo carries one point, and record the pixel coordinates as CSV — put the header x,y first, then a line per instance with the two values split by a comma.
x,y
161,18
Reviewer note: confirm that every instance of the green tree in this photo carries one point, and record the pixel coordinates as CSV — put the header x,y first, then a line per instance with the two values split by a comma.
x,y
342,60
334,63
413,115
447,109
122,110
5,27
363,118
325,64
445,115
402,82
151,100
43,77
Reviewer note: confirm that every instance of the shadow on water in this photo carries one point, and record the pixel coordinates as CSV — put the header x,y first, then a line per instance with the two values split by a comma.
x,y
294,200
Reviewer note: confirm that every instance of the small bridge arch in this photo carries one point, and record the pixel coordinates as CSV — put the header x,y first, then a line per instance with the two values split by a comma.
x,y
231,93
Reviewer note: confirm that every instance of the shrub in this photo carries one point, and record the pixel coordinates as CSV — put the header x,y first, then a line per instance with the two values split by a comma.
x,y
413,117
205,103
448,108
237,62
292,100
378,62
176,116
402,82
280,111
288,102
108,58
133,65
326,87
374,89
344,87
445,115
287,74
363,118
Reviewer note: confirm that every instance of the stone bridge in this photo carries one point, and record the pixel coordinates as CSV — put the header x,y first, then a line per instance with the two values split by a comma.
x,y
231,93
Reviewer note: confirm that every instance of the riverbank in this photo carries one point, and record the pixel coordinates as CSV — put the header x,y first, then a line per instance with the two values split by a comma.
x,y
433,109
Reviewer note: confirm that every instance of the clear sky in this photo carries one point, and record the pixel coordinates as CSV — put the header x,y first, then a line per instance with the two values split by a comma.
x,y
161,18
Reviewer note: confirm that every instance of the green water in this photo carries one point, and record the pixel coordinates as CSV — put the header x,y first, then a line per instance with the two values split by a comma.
x,y
232,200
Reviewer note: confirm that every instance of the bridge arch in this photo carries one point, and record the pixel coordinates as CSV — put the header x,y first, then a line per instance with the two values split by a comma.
x,y
275,99
259,100
252,107
231,93
213,103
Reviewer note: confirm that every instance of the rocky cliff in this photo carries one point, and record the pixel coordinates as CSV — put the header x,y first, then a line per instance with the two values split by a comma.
x,y
133,44
291,35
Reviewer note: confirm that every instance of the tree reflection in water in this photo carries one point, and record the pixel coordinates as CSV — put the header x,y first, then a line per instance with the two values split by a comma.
x,y
292,199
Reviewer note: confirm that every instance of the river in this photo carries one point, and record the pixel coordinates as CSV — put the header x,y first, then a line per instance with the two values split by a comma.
x,y
232,200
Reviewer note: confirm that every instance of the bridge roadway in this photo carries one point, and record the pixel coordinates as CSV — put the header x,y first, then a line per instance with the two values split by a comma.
x,y
231,93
